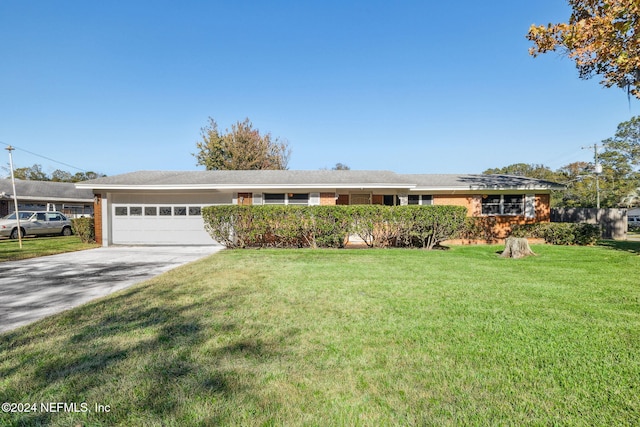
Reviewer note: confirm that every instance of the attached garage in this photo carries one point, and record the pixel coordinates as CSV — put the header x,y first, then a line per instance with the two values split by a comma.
x,y
167,219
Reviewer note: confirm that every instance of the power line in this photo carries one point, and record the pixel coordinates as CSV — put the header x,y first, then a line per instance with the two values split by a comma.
x,y
45,157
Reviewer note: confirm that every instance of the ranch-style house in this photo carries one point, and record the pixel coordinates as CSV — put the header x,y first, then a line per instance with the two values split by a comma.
x,y
164,207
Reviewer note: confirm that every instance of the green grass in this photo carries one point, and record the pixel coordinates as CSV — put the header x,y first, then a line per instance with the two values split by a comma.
x,y
347,337
33,247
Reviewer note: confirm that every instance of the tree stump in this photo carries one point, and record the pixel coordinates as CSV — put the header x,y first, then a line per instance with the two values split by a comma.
x,y
516,247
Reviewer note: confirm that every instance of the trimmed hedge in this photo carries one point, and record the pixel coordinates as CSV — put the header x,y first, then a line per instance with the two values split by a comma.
x,y
560,233
84,228
329,226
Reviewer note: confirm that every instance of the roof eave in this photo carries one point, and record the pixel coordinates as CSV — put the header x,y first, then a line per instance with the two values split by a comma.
x,y
245,186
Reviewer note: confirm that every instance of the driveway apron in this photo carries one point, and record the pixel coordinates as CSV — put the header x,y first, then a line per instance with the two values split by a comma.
x,y
39,287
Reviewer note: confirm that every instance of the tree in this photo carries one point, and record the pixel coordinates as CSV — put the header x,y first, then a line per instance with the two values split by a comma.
x,y
33,173
242,148
61,176
626,141
602,37
340,167
524,169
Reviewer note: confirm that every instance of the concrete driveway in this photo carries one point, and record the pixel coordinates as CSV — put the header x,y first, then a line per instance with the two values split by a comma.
x,y
39,287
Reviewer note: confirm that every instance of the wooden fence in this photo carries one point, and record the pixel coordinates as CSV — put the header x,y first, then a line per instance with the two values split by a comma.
x,y
612,221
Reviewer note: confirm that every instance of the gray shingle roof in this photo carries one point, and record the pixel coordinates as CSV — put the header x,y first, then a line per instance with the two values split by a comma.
x,y
45,190
479,182
314,178
249,178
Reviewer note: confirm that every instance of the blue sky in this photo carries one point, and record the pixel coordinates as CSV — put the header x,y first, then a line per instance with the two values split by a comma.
x,y
410,86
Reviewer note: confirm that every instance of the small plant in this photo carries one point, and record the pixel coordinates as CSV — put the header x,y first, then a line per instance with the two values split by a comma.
x,y
84,228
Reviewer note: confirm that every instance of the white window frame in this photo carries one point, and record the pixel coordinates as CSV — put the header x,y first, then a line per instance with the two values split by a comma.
x,y
423,199
143,210
286,200
502,205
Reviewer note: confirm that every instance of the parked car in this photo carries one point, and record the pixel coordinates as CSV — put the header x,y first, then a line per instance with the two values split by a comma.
x,y
36,223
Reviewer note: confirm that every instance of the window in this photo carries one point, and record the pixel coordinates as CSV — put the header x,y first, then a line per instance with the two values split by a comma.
x,y
195,210
135,211
273,198
507,204
389,200
54,217
513,205
179,210
122,211
298,199
165,211
150,211
420,199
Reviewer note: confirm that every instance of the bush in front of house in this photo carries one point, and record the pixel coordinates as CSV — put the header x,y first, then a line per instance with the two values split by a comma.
x,y
560,233
480,229
328,226
84,228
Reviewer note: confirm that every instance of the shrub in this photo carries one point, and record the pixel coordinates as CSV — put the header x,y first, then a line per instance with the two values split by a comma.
x,y
560,233
84,228
328,226
479,228
427,226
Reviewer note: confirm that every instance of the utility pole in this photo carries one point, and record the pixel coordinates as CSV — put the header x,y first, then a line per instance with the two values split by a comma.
x,y
15,196
597,170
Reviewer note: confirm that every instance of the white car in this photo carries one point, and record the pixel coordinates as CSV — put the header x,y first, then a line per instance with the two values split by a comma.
x,y
35,223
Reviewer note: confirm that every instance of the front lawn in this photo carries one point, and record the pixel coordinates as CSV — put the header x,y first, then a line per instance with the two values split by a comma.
x,y
33,247
345,337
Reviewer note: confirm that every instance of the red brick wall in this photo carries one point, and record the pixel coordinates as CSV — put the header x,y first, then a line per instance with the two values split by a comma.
x,y
327,199
97,217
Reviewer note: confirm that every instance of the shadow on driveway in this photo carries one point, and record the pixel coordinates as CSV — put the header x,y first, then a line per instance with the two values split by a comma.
x,y
35,288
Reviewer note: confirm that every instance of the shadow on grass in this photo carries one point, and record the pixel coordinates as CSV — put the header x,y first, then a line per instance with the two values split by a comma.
x,y
143,352
622,245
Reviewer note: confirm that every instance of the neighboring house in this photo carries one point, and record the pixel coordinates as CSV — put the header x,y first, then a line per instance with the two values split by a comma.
x,y
633,217
46,196
164,207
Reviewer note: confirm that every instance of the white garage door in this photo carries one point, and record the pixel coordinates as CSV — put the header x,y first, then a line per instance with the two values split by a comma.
x,y
153,223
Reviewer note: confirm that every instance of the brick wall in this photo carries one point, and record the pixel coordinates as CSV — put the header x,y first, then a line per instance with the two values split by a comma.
x,y
327,199
97,217
471,202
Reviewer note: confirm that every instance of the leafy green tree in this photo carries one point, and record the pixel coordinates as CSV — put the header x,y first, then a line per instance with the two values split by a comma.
x,y
580,186
61,176
241,148
524,169
620,159
33,173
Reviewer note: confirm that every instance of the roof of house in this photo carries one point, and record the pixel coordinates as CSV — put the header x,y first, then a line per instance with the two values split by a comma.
x,y
45,191
479,182
273,179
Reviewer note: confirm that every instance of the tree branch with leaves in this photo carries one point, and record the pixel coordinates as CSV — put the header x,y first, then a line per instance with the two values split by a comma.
x,y
602,37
